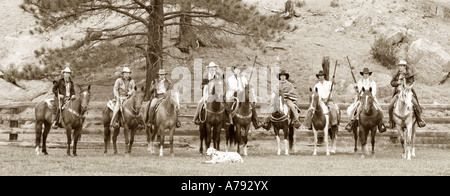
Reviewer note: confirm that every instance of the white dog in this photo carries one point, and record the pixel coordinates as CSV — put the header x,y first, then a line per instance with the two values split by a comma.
x,y
223,157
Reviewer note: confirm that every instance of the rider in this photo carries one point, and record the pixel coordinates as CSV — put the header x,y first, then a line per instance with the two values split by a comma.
x,y
404,73
63,90
123,89
212,74
286,89
236,84
324,91
159,88
365,83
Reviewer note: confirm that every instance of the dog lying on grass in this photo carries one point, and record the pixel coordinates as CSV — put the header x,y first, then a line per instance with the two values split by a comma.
x,y
223,157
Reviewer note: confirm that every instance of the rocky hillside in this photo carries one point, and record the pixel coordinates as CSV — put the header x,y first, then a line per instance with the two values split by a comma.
x,y
418,27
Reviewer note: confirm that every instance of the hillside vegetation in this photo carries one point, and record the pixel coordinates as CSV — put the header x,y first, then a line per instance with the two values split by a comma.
x,y
348,28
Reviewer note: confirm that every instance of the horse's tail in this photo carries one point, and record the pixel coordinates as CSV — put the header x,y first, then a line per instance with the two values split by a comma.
x,y
232,134
291,137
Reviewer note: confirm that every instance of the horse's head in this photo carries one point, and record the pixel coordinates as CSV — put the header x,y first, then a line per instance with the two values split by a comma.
x,y
366,98
313,99
174,95
85,97
138,99
405,96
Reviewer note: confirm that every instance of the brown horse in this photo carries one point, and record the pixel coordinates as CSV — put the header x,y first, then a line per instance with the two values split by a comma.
x,y
72,119
241,122
165,119
405,121
214,118
129,119
321,121
280,119
369,119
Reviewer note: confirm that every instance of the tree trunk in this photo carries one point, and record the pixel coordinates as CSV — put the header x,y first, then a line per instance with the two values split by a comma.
x,y
187,37
154,56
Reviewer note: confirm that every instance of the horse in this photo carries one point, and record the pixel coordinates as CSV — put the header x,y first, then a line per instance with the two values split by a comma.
x,y
238,132
321,121
213,121
166,117
129,119
405,120
72,119
280,119
369,118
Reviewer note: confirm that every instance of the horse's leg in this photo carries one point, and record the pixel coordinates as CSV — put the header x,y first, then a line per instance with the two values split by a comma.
x,y
126,133
133,132
69,138
47,127
363,133
355,136
374,132
208,136
246,128
413,140
315,140
172,131
202,129
106,137
291,138
409,140
277,137
154,132
76,134
286,137
238,137
149,138
38,128
114,139
402,140
325,132
161,141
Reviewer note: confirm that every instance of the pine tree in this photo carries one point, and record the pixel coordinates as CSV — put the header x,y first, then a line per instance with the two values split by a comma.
x,y
144,22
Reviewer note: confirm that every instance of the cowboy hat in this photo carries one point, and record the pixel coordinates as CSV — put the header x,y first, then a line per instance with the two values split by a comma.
x,y
283,72
162,72
365,71
212,64
66,70
402,62
126,70
321,73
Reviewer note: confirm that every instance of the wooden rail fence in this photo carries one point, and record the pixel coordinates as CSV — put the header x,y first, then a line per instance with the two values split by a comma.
x,y
15,114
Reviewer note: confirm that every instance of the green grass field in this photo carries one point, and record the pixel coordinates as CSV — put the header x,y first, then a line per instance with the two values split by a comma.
x,y
262,161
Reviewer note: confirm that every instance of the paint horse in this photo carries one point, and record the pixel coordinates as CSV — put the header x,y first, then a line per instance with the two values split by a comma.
x,y
321,121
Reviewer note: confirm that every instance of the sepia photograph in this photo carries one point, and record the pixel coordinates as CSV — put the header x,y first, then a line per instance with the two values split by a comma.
x,y
224,89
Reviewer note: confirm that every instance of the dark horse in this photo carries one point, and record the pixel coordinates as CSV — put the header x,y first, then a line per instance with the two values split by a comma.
x,y
238,132
214,118
369,119
129,119
321,121
280,119
72,119
165,119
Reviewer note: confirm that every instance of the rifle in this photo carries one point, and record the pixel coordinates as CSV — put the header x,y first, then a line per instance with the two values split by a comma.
x,y
334,75
254,63
351,70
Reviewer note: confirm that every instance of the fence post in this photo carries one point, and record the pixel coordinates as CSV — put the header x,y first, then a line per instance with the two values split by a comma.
x,y
13,123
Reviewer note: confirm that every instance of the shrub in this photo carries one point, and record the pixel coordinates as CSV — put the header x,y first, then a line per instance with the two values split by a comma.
x,y
300,3
384,52
334,3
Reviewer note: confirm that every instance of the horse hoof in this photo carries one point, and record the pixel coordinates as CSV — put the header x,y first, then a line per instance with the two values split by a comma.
x,y
287,154
314,154
127,155
328,154
333,151
363,157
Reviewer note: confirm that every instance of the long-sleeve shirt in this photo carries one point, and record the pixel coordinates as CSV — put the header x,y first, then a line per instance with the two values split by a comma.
x,y
398,78
324,89
124,87
367,84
